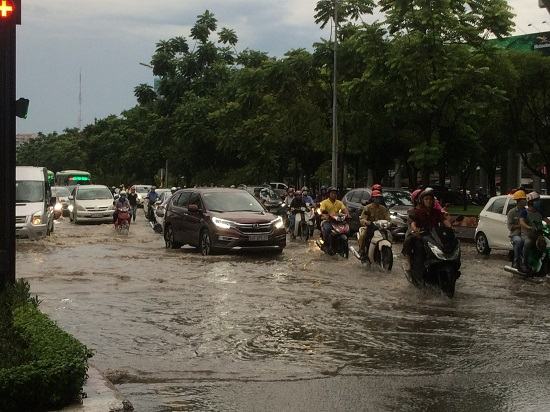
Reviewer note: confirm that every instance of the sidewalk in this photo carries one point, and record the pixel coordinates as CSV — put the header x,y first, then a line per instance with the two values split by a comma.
x,y
102,396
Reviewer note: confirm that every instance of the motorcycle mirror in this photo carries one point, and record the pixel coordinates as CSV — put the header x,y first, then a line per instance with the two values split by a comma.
x,y
364,202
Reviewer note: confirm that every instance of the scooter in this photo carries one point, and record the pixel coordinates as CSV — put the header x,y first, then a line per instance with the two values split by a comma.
x,y
122,224
339,233
379,249
441,266
537,257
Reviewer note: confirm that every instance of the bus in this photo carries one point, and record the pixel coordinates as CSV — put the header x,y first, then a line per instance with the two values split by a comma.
x,y
72,178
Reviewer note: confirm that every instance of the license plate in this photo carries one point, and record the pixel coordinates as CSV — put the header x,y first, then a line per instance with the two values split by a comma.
x,y
258,238
98,215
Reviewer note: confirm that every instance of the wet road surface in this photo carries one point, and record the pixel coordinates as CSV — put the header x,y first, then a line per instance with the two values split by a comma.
x,y
301,331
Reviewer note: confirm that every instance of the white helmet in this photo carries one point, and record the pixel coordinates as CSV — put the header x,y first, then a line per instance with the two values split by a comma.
x,y
533,196
122,193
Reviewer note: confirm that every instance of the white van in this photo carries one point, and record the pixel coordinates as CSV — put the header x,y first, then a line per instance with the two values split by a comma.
x,y
33,211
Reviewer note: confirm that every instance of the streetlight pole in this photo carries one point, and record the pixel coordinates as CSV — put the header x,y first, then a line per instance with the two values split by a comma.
x,y
334,180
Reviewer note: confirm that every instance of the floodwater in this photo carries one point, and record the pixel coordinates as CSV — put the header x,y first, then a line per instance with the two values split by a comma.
x,y
302,331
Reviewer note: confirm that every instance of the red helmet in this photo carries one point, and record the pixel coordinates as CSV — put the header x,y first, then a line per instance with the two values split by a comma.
x,y
376,193
415,194
376,186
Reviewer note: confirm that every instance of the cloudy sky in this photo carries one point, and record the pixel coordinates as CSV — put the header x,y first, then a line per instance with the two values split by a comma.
x,y
107,39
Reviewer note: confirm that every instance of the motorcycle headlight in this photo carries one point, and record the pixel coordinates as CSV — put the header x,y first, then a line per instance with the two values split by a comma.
x,y
71,207
278,223
221,223
36,218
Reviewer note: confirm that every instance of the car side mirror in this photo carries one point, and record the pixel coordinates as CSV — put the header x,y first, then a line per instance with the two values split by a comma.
x,y
193,208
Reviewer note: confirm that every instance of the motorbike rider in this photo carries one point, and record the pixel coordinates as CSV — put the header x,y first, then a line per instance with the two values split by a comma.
x,y
322,195
423,218
133,199
121,203
530,219
305,195
151,197
374,211
329,207
515,228
288,200
295,209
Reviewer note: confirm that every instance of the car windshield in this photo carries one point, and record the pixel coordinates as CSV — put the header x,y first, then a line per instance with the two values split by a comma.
x,y
231,202
397,198
94,193
29,191
142,189
60,191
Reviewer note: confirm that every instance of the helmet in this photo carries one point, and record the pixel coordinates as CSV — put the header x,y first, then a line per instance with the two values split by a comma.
x,y
376,186
533,196
332,189
414,195
376,193
298,193
323,188
122,193
304,189
153,188
519,195
426,192
173,189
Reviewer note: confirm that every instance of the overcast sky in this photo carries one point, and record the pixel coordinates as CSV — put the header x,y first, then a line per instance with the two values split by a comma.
x,y
108,38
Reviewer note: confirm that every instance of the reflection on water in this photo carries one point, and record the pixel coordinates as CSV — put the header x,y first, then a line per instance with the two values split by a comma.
x,y
178,331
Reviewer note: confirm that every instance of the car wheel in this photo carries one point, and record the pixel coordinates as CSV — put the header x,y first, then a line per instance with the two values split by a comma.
x,y
205,243
169,241
482,244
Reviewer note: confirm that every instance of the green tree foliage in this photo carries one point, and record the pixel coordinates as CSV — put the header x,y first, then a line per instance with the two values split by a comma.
x,y
422,87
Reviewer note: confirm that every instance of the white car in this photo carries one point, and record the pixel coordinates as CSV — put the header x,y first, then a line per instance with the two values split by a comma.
x,y
91,203
141,191
492,228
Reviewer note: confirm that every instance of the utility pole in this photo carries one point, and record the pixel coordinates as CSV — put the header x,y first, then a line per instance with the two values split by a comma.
x,y
9,18
334,179
80,100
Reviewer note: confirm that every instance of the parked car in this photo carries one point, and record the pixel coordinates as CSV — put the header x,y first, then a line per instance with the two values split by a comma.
x,y
492,230
92,203
215,219
61,193
398,202
34,215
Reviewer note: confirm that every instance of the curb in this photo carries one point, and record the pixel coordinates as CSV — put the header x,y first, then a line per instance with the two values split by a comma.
x,y
102,396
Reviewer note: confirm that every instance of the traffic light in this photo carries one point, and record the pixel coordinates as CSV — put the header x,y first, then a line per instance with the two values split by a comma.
x,y
10,11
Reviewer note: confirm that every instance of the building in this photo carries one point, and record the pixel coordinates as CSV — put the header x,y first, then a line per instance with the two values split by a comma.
x,y
24,138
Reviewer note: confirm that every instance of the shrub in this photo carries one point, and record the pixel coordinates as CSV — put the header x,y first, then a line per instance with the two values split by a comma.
x,y
50,366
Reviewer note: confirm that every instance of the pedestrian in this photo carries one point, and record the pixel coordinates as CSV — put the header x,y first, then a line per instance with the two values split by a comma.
x,y
133,199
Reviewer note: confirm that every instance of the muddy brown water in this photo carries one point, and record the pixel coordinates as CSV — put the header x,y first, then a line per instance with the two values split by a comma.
x,y
301,331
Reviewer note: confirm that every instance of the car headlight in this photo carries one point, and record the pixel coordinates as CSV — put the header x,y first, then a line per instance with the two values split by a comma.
x,y
221,223
58,207
278,223
36,218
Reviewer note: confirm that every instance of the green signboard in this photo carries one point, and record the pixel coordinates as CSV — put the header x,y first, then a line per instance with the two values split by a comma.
x,y
534,42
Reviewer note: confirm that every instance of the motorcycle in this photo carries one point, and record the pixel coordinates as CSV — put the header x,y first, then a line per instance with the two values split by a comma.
x,y
122,224
399,225
379,249
305,219
537,257
441,266
339,233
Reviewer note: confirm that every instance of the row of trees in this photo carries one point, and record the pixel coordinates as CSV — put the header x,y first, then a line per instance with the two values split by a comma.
x,y
423,88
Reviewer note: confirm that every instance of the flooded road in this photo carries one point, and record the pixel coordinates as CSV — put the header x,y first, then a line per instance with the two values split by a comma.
x,y
301,331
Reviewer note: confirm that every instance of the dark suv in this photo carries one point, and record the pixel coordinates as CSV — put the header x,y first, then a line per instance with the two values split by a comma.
x,y
217,219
